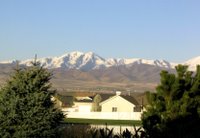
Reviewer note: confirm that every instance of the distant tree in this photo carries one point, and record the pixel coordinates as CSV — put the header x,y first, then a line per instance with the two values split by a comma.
x,y
26,108
95,105
174,109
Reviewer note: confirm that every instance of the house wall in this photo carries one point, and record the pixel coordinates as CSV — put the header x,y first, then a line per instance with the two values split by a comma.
x,y
82,107
119,102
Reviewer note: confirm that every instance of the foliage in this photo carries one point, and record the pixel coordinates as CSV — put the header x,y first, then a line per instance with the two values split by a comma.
x,y
138,133
174,110
76,131
94,132
26,108
106,133
95,105
86,131
126,134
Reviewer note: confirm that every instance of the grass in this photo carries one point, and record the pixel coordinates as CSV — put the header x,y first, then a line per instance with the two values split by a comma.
x,y
103,121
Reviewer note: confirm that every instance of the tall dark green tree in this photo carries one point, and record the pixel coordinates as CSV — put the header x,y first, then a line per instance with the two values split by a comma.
x,y
174,109
26,108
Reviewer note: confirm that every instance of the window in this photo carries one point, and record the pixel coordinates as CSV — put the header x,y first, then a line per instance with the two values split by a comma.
x,y
114,109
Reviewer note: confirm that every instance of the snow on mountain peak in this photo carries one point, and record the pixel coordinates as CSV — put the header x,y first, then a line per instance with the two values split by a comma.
x,y
89,61
192,63
75,54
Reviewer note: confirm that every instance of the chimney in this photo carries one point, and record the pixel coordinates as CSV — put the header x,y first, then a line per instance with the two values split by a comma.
x,y
118,93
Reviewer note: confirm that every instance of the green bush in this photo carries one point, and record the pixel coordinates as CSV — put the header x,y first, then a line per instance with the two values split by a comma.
x,y
174,110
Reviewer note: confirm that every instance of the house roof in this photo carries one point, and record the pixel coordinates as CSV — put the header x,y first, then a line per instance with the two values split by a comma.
x,y
83,99
106,96
66,101
129,98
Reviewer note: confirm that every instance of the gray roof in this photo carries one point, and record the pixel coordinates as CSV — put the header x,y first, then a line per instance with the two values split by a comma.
x,y
129,98
83,101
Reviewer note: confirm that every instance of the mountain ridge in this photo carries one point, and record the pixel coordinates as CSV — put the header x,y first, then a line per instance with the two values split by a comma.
x,y
90,61
77,71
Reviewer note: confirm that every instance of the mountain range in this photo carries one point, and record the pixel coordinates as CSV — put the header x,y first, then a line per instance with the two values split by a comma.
x,y
89,70
91,61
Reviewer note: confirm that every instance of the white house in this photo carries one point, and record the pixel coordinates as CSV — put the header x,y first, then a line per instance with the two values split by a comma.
x,y
113,106
120,103
70,104
83,104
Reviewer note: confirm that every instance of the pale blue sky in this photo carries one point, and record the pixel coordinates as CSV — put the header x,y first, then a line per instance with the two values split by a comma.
x,y
151,29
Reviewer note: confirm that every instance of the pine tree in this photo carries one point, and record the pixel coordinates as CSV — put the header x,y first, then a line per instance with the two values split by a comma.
x,y
174,109
26,108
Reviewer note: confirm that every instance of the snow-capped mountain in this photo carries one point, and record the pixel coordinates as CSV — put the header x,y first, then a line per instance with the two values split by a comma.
x,y
192,63
87,69
89,61
73,60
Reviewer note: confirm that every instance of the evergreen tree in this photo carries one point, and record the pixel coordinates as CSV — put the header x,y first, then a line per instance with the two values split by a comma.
x,y
174,109
26,108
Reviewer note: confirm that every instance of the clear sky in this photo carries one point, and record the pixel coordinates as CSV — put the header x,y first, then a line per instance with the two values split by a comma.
x,y
151,29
